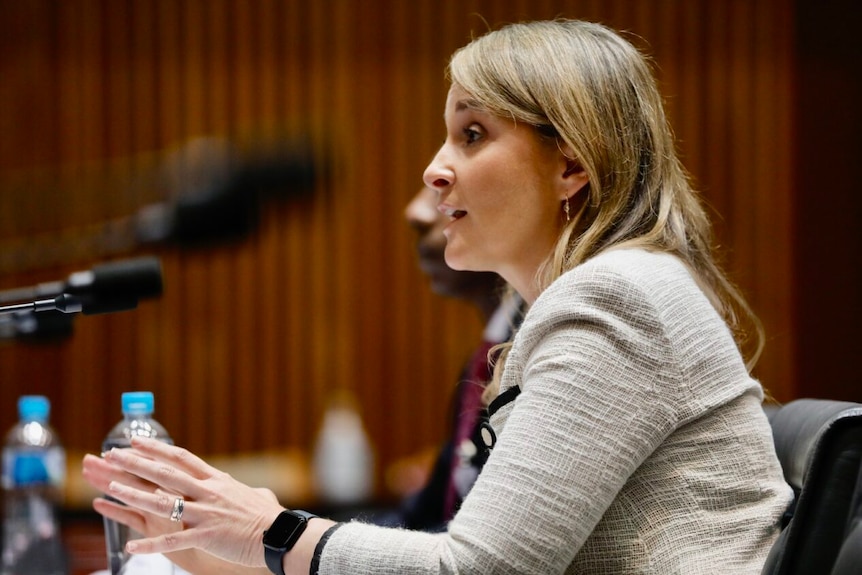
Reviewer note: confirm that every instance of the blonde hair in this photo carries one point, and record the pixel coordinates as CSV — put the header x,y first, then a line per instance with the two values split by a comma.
x,y
585,86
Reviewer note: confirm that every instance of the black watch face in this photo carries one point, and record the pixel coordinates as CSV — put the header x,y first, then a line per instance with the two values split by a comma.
x,y
285,530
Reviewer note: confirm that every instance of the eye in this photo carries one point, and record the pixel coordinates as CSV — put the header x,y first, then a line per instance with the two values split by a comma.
x,y
473,133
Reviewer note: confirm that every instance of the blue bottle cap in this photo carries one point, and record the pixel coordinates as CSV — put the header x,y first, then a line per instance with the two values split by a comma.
x,y
34,408
138,402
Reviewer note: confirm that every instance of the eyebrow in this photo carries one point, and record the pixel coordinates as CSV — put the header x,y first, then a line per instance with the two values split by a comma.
x,y
468,104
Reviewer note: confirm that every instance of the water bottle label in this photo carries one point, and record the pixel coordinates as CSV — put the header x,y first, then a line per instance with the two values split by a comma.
x,y
33,467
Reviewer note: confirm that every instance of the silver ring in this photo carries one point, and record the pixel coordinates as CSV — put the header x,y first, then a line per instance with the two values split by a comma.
x,y
177,511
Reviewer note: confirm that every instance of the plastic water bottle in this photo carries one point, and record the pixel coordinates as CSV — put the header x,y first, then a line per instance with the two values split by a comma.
x,y
138,408
34,472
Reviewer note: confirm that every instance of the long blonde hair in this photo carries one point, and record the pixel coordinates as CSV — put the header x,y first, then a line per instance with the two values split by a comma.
x,y
587,87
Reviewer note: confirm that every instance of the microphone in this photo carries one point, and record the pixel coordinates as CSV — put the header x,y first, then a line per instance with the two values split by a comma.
x,y
207,192
220,194
106,288
137,277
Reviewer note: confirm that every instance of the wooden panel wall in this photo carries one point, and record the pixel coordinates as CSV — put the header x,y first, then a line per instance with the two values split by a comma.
x,y
827,238
250,339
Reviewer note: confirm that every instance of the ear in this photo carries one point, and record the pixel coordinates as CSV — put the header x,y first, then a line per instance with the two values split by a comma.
x,y
573,178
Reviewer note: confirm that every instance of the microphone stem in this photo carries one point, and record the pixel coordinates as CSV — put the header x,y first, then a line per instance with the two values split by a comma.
x,y
63,302
6,309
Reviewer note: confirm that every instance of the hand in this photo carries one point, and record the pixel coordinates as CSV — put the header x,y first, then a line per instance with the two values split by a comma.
x,y
100,473
222,516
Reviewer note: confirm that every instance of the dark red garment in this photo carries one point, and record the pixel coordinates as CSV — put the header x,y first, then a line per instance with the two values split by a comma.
x,y
470,406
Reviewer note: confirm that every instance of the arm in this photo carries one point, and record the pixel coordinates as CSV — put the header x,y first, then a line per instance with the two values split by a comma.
x,y
597,398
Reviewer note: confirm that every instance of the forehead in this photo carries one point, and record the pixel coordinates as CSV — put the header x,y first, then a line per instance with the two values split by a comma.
x,y
458,100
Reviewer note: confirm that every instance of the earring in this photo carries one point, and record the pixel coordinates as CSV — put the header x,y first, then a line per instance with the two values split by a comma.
x,y
566,210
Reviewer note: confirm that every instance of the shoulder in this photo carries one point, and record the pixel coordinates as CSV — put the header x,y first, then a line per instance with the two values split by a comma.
x,y
609,306
635,308
621,272
626,305
634,285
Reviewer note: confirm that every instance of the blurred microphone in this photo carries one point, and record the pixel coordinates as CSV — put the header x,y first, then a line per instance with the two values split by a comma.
x,y
106,288
138,278
217,193
206,192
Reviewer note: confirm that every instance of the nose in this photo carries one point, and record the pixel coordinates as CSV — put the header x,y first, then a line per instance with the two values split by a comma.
x,y
439,175
421,212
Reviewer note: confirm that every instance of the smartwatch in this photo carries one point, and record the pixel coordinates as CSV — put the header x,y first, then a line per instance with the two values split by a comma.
x,y
281,536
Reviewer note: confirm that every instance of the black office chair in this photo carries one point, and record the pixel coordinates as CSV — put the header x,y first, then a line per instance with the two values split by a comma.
x,y
819,444
850,557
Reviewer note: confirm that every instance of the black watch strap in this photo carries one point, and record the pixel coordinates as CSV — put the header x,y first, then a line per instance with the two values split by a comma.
x,y
282,536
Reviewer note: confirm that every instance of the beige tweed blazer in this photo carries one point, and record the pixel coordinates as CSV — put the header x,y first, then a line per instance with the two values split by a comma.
x,y
637,444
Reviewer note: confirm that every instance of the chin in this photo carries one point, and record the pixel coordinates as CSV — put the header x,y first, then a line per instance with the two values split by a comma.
x,y
457,263
465,265
463,256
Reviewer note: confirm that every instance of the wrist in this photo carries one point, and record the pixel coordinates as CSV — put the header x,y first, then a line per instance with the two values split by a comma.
x,y
281,536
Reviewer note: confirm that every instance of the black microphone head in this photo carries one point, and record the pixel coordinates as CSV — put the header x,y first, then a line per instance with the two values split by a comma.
x,y
92,305
281,170
226,211
219,191
132,279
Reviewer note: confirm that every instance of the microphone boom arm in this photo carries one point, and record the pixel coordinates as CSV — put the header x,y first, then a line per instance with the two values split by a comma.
x,y
64,302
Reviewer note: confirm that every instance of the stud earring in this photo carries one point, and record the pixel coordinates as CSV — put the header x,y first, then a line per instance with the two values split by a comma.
x,y
566,210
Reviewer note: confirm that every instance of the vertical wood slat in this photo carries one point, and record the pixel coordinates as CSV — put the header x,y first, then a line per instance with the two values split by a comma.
x,y
327,295
245,338
295,383
773,286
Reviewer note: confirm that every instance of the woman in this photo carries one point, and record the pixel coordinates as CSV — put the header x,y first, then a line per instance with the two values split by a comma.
x,y
626,433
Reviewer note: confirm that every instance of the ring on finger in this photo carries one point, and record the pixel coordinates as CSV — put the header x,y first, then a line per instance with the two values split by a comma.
x,y
177,511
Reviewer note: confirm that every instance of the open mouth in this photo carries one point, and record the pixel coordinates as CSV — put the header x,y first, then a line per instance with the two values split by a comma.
x,y
455,214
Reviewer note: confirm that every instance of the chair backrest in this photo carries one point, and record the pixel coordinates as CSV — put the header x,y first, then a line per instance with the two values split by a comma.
x,y
849,561
819,444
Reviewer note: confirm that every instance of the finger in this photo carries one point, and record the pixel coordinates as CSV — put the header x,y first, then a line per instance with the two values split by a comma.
x,y
161,474
99,473
167,543
160,491
120,513
179,457
159,504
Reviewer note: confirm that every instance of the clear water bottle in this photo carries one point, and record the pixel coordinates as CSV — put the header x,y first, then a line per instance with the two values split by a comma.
x,y
34,472
138,408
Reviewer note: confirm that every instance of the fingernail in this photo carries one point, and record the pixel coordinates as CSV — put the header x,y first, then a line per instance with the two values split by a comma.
x,y
113,486
131,547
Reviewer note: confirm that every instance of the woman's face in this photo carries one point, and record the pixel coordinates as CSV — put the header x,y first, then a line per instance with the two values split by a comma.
x,y
501,188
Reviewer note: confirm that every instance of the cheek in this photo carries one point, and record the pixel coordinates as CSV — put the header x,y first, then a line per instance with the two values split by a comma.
x,y
524,203
514,195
